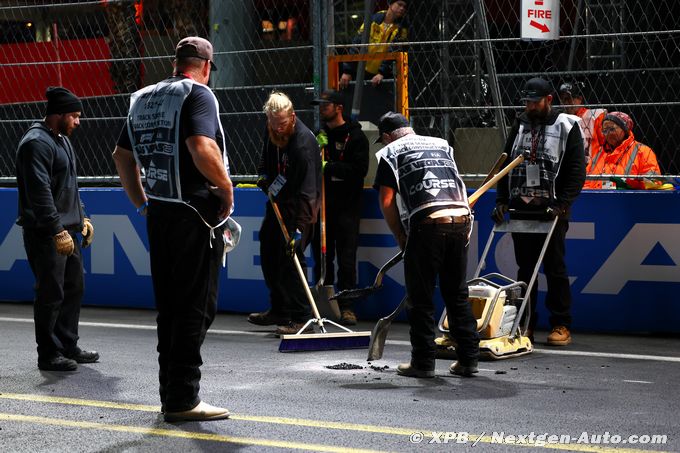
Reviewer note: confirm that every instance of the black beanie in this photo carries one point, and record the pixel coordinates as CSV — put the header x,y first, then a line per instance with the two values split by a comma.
x,y
61,100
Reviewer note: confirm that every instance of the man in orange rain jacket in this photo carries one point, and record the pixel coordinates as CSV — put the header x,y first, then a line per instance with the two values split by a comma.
x,y
620,154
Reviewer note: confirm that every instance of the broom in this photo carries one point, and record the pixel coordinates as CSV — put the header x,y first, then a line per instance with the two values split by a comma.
x,y
323,341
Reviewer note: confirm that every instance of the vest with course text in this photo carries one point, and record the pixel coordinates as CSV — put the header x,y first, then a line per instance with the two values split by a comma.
x,y
426,173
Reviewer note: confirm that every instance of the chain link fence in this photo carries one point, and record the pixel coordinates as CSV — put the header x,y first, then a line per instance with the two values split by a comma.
x,y
467,66
105,50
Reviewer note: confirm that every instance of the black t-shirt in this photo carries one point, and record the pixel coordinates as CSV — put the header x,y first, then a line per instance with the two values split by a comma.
x,y
198,117
384,176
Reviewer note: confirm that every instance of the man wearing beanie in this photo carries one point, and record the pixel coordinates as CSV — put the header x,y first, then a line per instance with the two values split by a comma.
x,y
51,215
620,154
173,132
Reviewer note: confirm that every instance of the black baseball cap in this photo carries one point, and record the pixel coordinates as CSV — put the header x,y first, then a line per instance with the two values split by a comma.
x,y
329,97
390,122
535,89
573,89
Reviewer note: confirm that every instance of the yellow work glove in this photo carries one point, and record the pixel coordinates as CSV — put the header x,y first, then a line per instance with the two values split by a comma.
x,y
88,233
64,243
322,139
263,184
292,244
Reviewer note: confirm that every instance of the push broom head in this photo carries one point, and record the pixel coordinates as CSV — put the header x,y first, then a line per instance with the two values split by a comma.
x,y
324,341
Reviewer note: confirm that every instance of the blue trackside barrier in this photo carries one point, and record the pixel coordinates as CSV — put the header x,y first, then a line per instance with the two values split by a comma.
x,y
623,255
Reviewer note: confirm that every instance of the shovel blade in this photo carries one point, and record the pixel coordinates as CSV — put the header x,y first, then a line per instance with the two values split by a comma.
x,y
328,307
349,294
378,338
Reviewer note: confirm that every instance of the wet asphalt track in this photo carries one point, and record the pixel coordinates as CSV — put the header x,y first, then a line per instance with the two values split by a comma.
x,y
289,402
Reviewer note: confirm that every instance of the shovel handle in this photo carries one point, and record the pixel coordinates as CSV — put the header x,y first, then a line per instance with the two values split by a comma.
x,y
387,266
492,182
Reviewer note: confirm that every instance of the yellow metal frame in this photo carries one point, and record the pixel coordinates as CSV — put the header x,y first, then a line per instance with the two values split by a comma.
x,y
401,74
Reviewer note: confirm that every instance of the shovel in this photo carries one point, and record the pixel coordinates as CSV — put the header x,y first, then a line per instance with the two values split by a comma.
x,y
379,333
377,284
328,306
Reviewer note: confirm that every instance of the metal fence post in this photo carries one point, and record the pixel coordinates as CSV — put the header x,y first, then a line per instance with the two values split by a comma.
x,y
480,11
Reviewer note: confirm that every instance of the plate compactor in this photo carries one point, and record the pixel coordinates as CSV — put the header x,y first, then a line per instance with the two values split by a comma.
x,y
500,304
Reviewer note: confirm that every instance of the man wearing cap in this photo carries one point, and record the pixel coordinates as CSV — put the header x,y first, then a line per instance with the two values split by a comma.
x,y
174,135
571,97
289,169
425,205
545,186
387,27
51,215
344,149
620,154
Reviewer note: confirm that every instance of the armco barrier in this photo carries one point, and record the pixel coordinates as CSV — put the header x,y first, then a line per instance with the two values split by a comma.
x,y
623,255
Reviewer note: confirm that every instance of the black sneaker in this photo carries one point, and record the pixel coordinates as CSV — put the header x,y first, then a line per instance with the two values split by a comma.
x,y
460,369
81,356
57,363
408,370
267,318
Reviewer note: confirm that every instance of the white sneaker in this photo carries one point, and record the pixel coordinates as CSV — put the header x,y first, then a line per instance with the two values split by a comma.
x,y
202,412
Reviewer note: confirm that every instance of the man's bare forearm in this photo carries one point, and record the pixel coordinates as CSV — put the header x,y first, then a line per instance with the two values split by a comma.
x,y
207,158
388,206
130,178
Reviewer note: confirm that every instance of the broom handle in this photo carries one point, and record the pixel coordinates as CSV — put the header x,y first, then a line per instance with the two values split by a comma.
x,y
322,265
323,217
303,279
491,182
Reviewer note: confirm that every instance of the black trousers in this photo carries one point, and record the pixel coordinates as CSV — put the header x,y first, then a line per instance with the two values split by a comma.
x,y
185,273
286,293
558,299
342,240
439,250
58,293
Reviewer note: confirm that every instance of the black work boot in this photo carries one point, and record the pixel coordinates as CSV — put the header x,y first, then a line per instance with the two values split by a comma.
x,y
57,363
81,356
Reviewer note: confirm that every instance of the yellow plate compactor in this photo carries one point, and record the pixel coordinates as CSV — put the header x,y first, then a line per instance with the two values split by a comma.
x,y
500,304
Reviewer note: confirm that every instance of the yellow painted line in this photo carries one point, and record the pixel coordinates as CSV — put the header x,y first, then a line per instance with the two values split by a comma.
x,y
317,424
181,434
79,402
250,418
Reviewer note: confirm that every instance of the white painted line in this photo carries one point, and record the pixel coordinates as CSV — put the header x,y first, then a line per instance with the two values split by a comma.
x,y
145,327
637,382
609,355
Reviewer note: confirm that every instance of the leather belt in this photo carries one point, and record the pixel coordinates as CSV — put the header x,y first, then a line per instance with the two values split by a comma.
x,y
446,219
